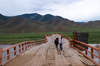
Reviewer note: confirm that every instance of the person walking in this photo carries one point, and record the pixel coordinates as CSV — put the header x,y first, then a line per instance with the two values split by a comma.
x,y
56,42
61,43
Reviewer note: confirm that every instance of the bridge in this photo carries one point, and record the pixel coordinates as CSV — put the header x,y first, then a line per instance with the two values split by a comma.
x,y
44,53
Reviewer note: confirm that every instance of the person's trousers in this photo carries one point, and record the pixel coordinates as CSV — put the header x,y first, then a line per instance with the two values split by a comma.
x,y
56,45
61,46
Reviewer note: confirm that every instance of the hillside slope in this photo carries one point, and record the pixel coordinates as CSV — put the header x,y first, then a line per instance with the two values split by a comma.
x,y
93,24
19,25
62,22
3,17
38,17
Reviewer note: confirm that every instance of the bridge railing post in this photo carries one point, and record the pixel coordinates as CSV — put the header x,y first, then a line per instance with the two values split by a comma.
x,y
0,56
92,53
26,46
8,57
22,47
15,51
85,50
32,43
38,42
78,45
99,52
19,48
73,43
81,48
74,38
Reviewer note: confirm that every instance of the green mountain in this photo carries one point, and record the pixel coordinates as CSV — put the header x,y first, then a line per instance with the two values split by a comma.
x,y
93,24
38,17
28,16
20,25
23,25
3,17
61,22
38,23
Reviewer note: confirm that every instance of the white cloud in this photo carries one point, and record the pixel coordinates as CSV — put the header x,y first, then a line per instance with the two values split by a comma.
x,y
77,10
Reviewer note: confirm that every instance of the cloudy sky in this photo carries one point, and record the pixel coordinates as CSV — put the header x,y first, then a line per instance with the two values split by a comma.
x,y
76,10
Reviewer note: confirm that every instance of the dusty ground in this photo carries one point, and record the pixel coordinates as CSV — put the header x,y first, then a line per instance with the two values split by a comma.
x,y
47,55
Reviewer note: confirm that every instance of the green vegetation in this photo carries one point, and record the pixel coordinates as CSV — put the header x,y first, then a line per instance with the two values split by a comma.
x,y
13,38
94,34
86,29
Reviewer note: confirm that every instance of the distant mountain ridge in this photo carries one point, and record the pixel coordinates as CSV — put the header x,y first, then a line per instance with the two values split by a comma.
x,y
38,17
33,16
3,17
93,24
80,22
61,22
24,23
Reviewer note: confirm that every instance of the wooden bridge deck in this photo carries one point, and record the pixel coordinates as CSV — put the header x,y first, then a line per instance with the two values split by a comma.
x,y
47,55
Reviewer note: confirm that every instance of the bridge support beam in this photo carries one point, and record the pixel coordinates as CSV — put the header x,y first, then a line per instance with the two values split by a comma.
x,y
74,38
99,52
15,51
0,56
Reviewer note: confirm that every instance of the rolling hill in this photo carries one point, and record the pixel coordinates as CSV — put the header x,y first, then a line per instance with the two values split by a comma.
x,y
93,24
20,25
33,16
62,22
38,17
32,23
2,22
48,17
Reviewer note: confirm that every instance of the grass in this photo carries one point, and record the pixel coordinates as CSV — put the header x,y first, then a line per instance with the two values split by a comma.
x,y
13,38
94,37
94,34
6,38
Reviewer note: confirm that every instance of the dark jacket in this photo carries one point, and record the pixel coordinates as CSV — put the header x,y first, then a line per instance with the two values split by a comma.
x,y
56,41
